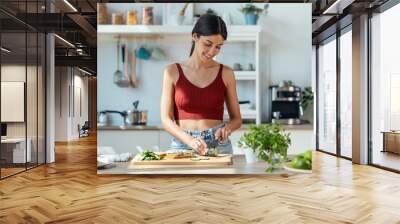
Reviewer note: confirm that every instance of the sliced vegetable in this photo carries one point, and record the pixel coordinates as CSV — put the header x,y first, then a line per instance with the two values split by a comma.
x,y
212,152
149,155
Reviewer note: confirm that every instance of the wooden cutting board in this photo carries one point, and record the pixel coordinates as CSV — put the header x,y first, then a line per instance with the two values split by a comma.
x,y
221,160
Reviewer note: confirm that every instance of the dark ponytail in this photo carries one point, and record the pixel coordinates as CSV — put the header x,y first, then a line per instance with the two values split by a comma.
x,y
207,25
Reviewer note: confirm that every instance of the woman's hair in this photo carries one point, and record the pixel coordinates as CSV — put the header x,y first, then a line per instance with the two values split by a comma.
x,y
207,25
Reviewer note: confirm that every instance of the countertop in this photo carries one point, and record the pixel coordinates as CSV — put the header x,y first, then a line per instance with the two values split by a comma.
x,y
239,166
300,127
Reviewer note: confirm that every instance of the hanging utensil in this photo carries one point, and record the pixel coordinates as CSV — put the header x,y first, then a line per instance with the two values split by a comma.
x,y
118,76
134,80
124,82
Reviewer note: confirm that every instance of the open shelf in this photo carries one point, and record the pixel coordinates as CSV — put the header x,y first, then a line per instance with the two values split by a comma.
x,y
245,75
246,113
236,32
244,36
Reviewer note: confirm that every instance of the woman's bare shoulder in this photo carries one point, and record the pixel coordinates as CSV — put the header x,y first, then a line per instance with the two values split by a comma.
x,y
171,71
227,74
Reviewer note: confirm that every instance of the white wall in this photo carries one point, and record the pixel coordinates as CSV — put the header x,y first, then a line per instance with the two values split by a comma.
x,y
68,82
286,55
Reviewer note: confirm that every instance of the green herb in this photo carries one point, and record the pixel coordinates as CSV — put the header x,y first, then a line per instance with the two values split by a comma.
x,y
212,152
269,142
149,155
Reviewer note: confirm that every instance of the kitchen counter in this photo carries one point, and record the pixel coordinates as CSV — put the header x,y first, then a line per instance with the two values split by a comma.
x,y
239,166
133,127
305,127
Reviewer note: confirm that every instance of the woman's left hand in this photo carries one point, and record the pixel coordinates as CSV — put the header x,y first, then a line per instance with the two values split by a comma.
x,y
222,134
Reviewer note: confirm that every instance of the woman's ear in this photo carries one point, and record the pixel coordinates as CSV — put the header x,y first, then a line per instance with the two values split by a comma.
x,y
195,37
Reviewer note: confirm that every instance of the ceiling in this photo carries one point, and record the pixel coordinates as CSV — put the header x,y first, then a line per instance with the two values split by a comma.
x,y
331,15
75,23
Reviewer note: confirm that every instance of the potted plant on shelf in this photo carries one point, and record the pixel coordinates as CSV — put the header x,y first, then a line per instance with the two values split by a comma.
x,y
307,97
269,142
306,102
251,13
181,17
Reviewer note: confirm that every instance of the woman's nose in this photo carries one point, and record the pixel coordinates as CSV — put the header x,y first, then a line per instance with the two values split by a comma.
x,y
213,51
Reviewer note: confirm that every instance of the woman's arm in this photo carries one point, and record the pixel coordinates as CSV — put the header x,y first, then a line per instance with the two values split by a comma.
x,y
231,99
167,111
232,104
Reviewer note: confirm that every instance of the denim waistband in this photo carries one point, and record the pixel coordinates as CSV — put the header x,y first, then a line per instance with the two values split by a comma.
x,y
205,132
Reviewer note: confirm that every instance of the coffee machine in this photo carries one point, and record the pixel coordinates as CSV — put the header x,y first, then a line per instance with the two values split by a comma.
x,y
286,104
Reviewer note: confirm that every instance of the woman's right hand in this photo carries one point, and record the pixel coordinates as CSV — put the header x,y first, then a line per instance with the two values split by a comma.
x,y
199,145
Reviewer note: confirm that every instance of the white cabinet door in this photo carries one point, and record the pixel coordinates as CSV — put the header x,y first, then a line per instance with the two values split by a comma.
x,y
121,141
302,140
165,140
235,136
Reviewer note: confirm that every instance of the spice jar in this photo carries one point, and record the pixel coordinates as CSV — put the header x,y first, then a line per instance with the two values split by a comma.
x,y
131,18
117,18
147,13
102,17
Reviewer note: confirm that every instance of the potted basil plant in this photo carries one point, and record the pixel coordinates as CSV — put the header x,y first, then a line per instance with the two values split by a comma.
x,y
269,142
251,13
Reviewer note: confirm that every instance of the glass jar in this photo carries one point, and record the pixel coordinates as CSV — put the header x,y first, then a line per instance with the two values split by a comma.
x,y
118,18
147,18
102,17
131,18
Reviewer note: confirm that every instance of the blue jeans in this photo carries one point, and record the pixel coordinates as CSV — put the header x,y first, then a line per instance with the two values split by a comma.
x,y
208,137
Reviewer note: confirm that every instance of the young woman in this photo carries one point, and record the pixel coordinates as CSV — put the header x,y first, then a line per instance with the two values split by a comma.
x,y
195,90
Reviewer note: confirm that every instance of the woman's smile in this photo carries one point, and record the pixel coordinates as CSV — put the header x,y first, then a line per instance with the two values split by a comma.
x,y
208,57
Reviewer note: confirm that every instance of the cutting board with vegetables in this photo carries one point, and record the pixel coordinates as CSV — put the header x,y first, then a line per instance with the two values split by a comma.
x,y
175,159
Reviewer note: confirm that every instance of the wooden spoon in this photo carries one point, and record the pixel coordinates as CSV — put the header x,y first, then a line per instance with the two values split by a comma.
x,y
134,80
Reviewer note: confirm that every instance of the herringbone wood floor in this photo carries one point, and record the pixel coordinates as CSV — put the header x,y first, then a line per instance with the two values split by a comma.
x,y
69,191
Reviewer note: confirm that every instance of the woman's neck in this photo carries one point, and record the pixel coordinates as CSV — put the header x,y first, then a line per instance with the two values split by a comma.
x,y
196,63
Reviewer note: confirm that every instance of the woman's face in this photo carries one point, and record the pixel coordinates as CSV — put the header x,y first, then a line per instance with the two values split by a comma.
x,y
207,47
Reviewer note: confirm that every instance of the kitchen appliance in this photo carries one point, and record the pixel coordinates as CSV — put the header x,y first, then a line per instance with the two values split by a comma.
x,y
104,118
285,104
135,116
3,130
130,117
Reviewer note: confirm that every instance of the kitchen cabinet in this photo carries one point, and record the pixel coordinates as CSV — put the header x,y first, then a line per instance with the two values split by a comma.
x,y
122,141
165,140
235,137
118,140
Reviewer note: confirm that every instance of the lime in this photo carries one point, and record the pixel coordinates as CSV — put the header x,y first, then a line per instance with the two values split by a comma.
x,y
308,155
299,162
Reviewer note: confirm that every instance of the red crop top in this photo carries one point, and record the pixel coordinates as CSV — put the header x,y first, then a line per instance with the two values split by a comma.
x,y
193,102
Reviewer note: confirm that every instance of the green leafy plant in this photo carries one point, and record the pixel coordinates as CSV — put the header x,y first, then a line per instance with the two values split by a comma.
x,y
250,8
269,142
182,11
307,97
211,11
